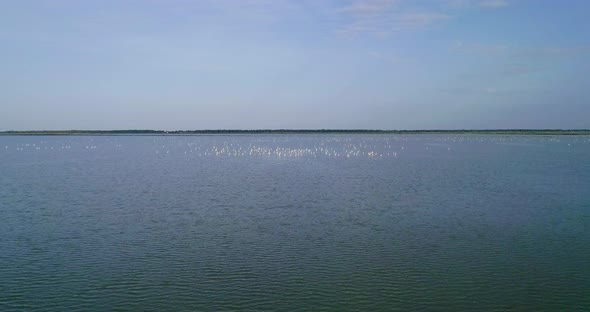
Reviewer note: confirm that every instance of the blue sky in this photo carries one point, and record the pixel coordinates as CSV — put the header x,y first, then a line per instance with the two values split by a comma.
x,y
249,64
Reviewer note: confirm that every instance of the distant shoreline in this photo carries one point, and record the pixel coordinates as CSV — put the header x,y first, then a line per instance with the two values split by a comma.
x,y
301,131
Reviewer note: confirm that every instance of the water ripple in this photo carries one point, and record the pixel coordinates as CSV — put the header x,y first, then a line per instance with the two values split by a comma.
x,y
303,223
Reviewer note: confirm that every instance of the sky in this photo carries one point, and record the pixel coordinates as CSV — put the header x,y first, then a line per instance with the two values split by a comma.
x,y
294,64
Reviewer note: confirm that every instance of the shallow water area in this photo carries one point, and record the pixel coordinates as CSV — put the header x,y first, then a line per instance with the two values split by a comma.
x,y
295,222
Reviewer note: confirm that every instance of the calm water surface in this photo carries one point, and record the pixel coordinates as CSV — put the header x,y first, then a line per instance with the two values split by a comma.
x,y
295,222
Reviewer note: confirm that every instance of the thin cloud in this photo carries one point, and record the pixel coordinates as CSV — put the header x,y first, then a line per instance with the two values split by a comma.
x,y
490,4
520,52
517,69
384,17
386,58
494,4
480,48
368,7
414,20
555,51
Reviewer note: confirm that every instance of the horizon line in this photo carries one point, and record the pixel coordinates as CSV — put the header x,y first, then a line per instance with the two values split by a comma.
x,y
278,131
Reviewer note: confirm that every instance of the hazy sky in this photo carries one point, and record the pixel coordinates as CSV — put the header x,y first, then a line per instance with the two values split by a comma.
x,y
217,64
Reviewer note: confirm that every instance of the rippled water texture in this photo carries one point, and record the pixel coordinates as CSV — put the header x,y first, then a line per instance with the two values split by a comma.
x,y
295,222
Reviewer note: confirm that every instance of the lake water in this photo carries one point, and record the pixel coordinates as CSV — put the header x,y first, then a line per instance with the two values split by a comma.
x,y
295,223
